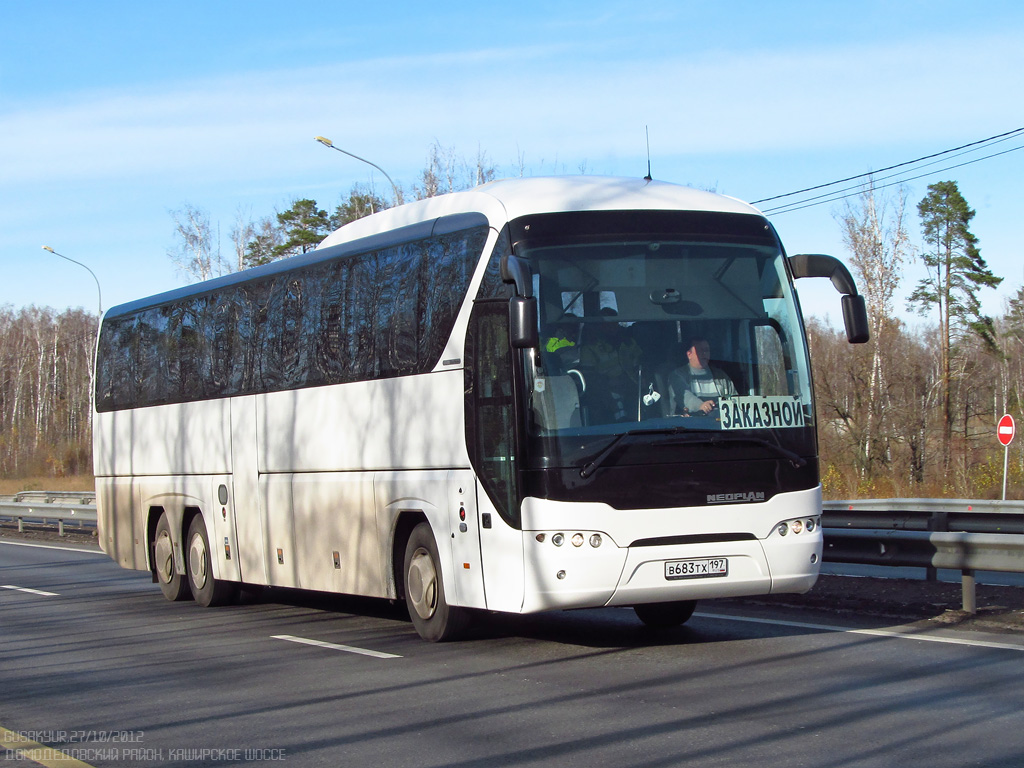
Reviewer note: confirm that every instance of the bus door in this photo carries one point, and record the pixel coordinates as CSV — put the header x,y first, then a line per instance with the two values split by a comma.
x,y
491,438
245,506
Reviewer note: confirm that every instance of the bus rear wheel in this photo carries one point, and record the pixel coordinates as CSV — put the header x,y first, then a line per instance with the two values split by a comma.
x,y
172,584
434,619
665,615
207,590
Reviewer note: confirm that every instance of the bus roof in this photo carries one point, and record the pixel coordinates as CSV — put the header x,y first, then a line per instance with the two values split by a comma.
x,y
509,199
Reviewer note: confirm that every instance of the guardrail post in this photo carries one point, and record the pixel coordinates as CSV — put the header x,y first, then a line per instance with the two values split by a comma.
x,y
60,527
21,525
939,521
967,586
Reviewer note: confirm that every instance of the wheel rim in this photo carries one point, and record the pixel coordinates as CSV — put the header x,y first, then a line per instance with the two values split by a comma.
x,y
197,561
164,557
421,584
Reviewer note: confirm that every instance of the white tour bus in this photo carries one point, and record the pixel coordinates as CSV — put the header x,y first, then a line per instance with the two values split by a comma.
x,y
493,400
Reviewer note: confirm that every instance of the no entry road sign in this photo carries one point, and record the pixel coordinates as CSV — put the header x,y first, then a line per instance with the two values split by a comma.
x,y
1006,429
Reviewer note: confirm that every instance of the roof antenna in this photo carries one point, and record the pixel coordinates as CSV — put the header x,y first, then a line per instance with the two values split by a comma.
x,y
648,177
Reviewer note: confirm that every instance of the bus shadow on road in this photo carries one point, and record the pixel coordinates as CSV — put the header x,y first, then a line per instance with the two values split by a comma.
x,y
716,621
591,627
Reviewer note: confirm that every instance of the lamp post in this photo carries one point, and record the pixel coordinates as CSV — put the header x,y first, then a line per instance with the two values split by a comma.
x,y
99,319
328,143
99,293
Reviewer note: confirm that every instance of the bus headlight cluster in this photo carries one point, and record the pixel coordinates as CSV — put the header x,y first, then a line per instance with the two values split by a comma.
x,y
577,539
797,526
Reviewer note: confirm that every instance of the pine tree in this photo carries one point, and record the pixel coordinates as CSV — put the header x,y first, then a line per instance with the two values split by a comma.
x,y
956,272
304,227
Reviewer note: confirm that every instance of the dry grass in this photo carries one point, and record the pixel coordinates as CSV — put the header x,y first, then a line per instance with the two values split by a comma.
x,y
10,486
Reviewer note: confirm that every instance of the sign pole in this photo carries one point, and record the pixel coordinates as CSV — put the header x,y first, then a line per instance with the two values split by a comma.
x,y
1006,465
1005,431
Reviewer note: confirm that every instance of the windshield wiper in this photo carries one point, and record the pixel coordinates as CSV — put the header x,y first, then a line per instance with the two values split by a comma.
x,y
595,463
711,436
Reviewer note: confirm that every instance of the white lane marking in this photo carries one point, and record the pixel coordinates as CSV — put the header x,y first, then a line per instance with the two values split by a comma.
x,y
50,546
30,591
891,633
335,647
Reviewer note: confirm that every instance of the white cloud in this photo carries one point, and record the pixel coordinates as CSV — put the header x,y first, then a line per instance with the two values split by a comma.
x,y
540,100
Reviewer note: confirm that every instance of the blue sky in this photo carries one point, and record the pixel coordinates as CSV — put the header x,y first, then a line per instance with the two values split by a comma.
x,y
113,114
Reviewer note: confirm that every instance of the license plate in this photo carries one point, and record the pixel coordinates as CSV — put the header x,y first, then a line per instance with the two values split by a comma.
x,y
697,569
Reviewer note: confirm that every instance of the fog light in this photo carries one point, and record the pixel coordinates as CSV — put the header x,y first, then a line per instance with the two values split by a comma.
x,y
560,575
783,529
595,540
811,525
540,537
577,539
558,539
797,526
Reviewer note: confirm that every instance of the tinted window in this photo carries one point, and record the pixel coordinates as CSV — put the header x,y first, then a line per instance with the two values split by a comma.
x,y
372,315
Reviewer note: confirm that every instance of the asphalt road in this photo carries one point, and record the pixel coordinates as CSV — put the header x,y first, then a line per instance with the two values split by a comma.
x,y
96,664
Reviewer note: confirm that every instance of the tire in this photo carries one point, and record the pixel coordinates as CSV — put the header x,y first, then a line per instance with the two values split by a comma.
x,y
434,619
665,615
207,590
173,585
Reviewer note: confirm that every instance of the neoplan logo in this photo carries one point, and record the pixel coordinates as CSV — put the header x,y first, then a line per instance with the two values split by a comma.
x,y
733,498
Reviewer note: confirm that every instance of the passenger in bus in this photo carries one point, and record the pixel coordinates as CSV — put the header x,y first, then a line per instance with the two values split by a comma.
x,y
611,358
560,351
696,387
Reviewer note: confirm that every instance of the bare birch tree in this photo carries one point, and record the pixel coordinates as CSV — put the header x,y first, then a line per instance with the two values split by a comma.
x,y
197,248
243,231
875,233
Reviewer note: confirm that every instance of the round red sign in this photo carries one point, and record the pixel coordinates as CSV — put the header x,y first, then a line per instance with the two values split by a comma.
x,y
1005,429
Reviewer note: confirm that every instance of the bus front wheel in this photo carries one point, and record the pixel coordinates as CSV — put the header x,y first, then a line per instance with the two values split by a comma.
x,y
433,617
207,590
665,615
173,585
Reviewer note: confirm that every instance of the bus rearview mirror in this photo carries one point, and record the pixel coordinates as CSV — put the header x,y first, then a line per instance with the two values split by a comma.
x,y
522,323
855,318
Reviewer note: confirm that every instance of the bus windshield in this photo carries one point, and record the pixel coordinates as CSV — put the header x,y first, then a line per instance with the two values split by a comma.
x,y
685,328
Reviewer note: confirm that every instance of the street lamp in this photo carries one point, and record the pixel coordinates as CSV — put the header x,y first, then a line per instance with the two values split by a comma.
x,y
99,293
328,143
99,319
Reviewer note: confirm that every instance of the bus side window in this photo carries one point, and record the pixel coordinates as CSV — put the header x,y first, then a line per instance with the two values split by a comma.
x,y
771,363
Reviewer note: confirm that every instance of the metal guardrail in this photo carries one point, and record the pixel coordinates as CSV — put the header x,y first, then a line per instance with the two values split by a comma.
x,y
965,515
47,506
50,497
956,534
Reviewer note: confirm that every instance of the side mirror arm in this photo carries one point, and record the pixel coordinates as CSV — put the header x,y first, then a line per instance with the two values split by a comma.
x,y
522,308
855,314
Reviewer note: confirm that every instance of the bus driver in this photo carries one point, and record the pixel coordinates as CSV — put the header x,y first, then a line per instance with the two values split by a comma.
x,y
696,386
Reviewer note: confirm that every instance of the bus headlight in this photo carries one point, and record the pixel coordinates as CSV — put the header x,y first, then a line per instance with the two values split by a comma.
x,y
577,538
798,525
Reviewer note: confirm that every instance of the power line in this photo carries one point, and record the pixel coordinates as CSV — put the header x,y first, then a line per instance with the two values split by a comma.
x,y
890,176
845,193
962,149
